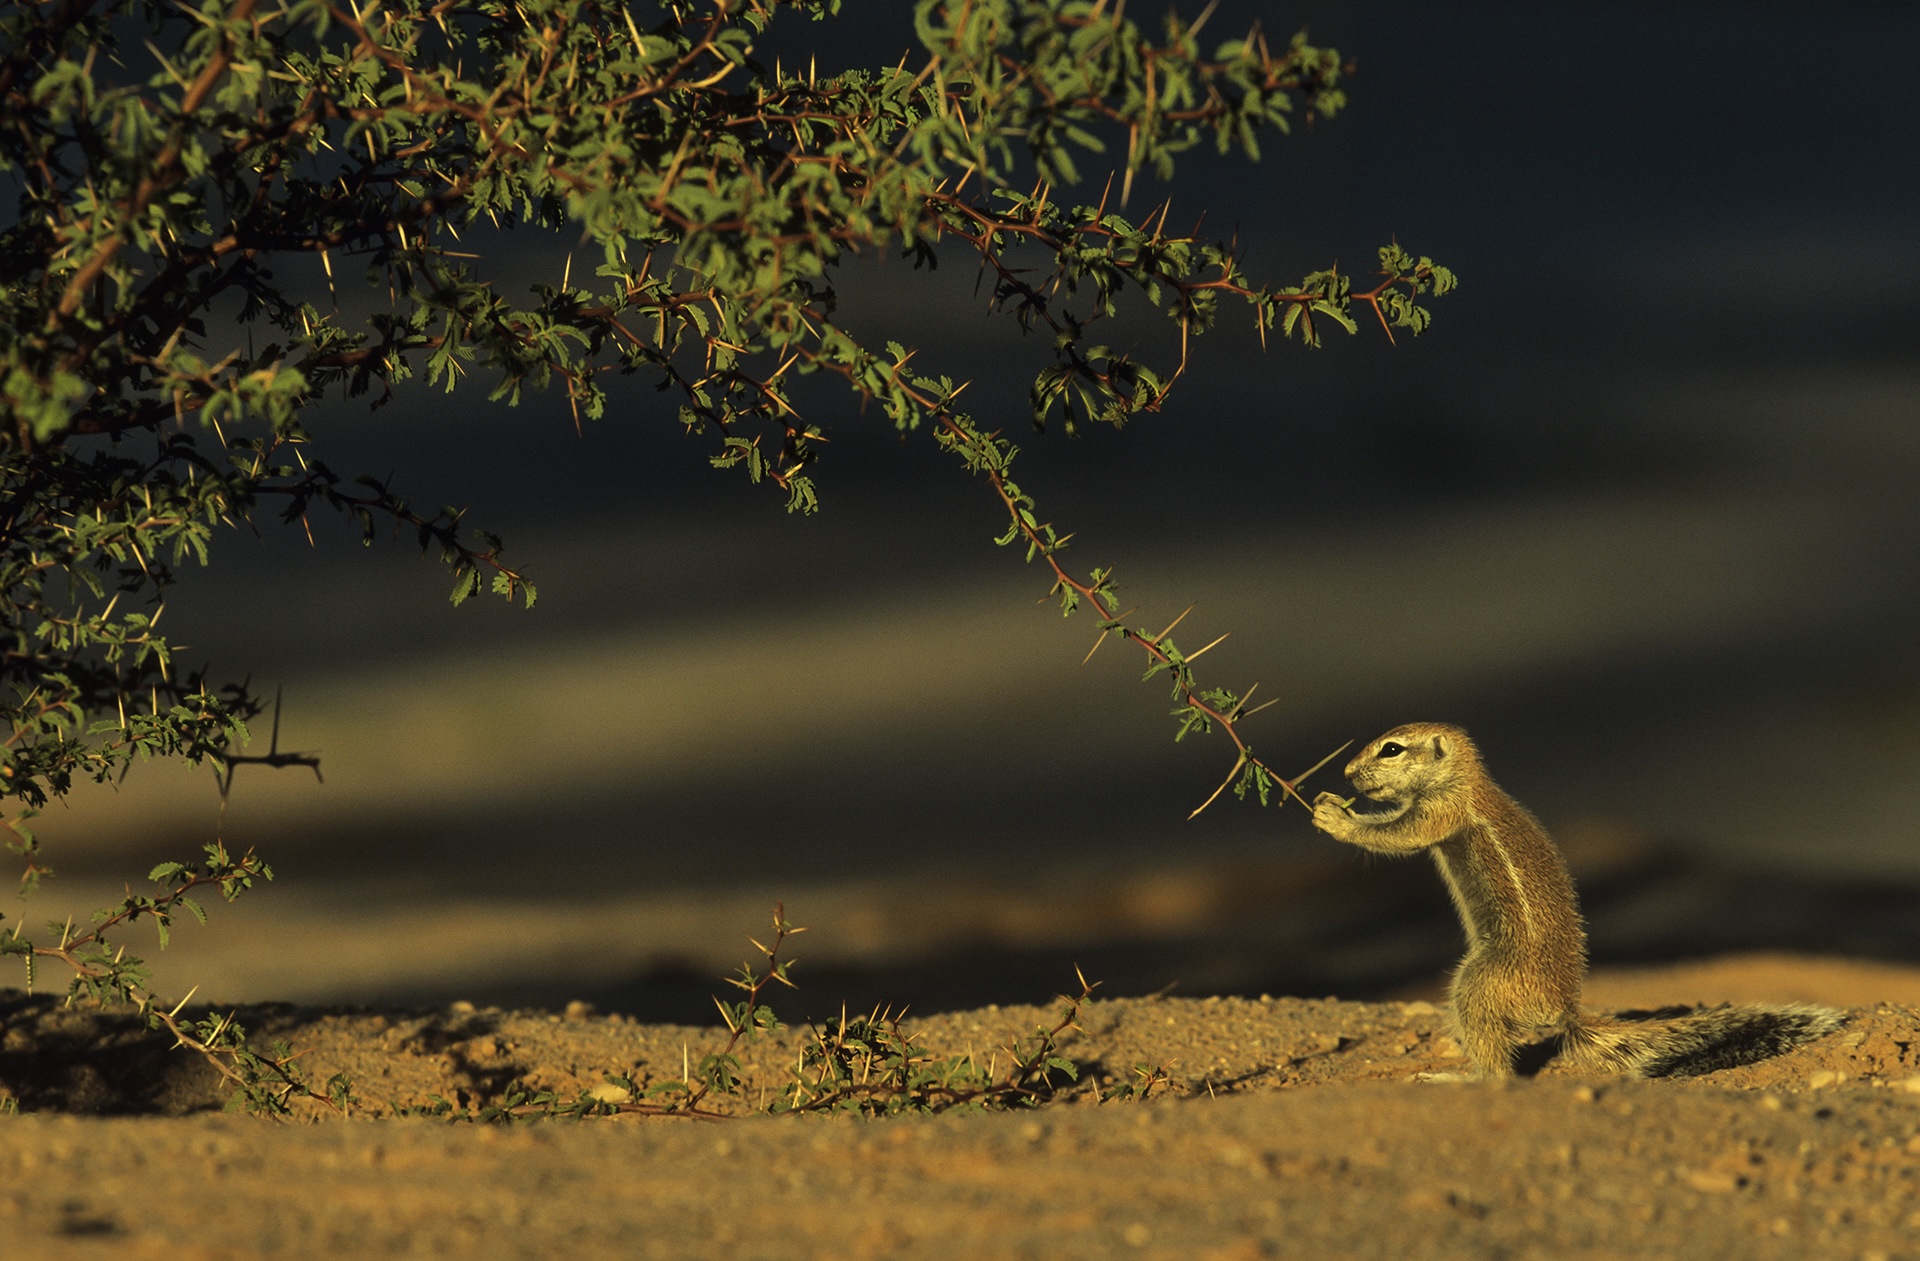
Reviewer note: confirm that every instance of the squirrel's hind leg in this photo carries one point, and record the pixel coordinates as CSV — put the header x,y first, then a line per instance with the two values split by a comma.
x,y
1487,1003
1488,1039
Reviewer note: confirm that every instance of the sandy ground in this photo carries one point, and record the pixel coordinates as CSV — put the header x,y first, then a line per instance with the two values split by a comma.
x,y
1290,1127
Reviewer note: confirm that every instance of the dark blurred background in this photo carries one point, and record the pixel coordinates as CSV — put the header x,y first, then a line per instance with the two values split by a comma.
x,y
1639,511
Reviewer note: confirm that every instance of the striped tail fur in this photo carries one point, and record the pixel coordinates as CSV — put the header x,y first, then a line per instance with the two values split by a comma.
x,y
1700,1041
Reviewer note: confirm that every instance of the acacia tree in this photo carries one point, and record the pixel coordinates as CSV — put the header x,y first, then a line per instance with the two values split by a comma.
x,y
167,160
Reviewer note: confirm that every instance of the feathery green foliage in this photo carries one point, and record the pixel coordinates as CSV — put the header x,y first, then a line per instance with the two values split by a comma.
x,y
172,164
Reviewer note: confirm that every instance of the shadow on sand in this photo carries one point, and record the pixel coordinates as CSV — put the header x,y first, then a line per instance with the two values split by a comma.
x,y
1355,929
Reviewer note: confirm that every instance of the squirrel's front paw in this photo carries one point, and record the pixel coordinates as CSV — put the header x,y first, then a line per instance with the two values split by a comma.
x,y
1330,814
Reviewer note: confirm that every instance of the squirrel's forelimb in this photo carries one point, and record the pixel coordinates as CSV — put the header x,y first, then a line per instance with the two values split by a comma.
x,y
1526,947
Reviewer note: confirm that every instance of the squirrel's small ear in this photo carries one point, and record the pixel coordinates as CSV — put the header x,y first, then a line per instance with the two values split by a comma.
x,y
1440,749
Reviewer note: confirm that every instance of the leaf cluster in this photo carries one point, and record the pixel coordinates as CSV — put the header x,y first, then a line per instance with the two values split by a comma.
x,y
226,210
715,196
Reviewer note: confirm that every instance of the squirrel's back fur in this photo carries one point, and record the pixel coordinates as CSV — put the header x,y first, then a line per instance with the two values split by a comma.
x,y
1526,946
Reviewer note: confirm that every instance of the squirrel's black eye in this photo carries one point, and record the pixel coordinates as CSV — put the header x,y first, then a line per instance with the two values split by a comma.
x,y
1390,749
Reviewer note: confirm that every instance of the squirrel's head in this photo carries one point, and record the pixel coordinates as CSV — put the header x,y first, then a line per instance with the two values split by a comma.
x,y
1412,759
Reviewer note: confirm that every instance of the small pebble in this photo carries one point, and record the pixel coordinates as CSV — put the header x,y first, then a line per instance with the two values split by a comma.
x,y
1712,1181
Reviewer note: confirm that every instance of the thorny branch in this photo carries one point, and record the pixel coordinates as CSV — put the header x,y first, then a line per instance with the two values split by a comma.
x,y
252,141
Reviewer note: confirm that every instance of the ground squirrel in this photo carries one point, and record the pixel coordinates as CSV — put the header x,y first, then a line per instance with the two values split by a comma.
x,y
1526,948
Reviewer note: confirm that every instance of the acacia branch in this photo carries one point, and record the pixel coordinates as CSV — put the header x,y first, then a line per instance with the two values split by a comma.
x,y
164,173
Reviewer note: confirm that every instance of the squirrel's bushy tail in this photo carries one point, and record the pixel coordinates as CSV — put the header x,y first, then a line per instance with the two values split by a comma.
x,y
1699,1041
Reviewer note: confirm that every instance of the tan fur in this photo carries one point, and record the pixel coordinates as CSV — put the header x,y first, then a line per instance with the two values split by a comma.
x,y
1526,947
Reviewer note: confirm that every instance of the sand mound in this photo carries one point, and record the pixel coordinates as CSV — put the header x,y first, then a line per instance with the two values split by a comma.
x,y
1288,1127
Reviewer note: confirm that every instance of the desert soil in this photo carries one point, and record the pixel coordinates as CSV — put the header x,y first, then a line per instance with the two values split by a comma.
x,y
1290,1127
